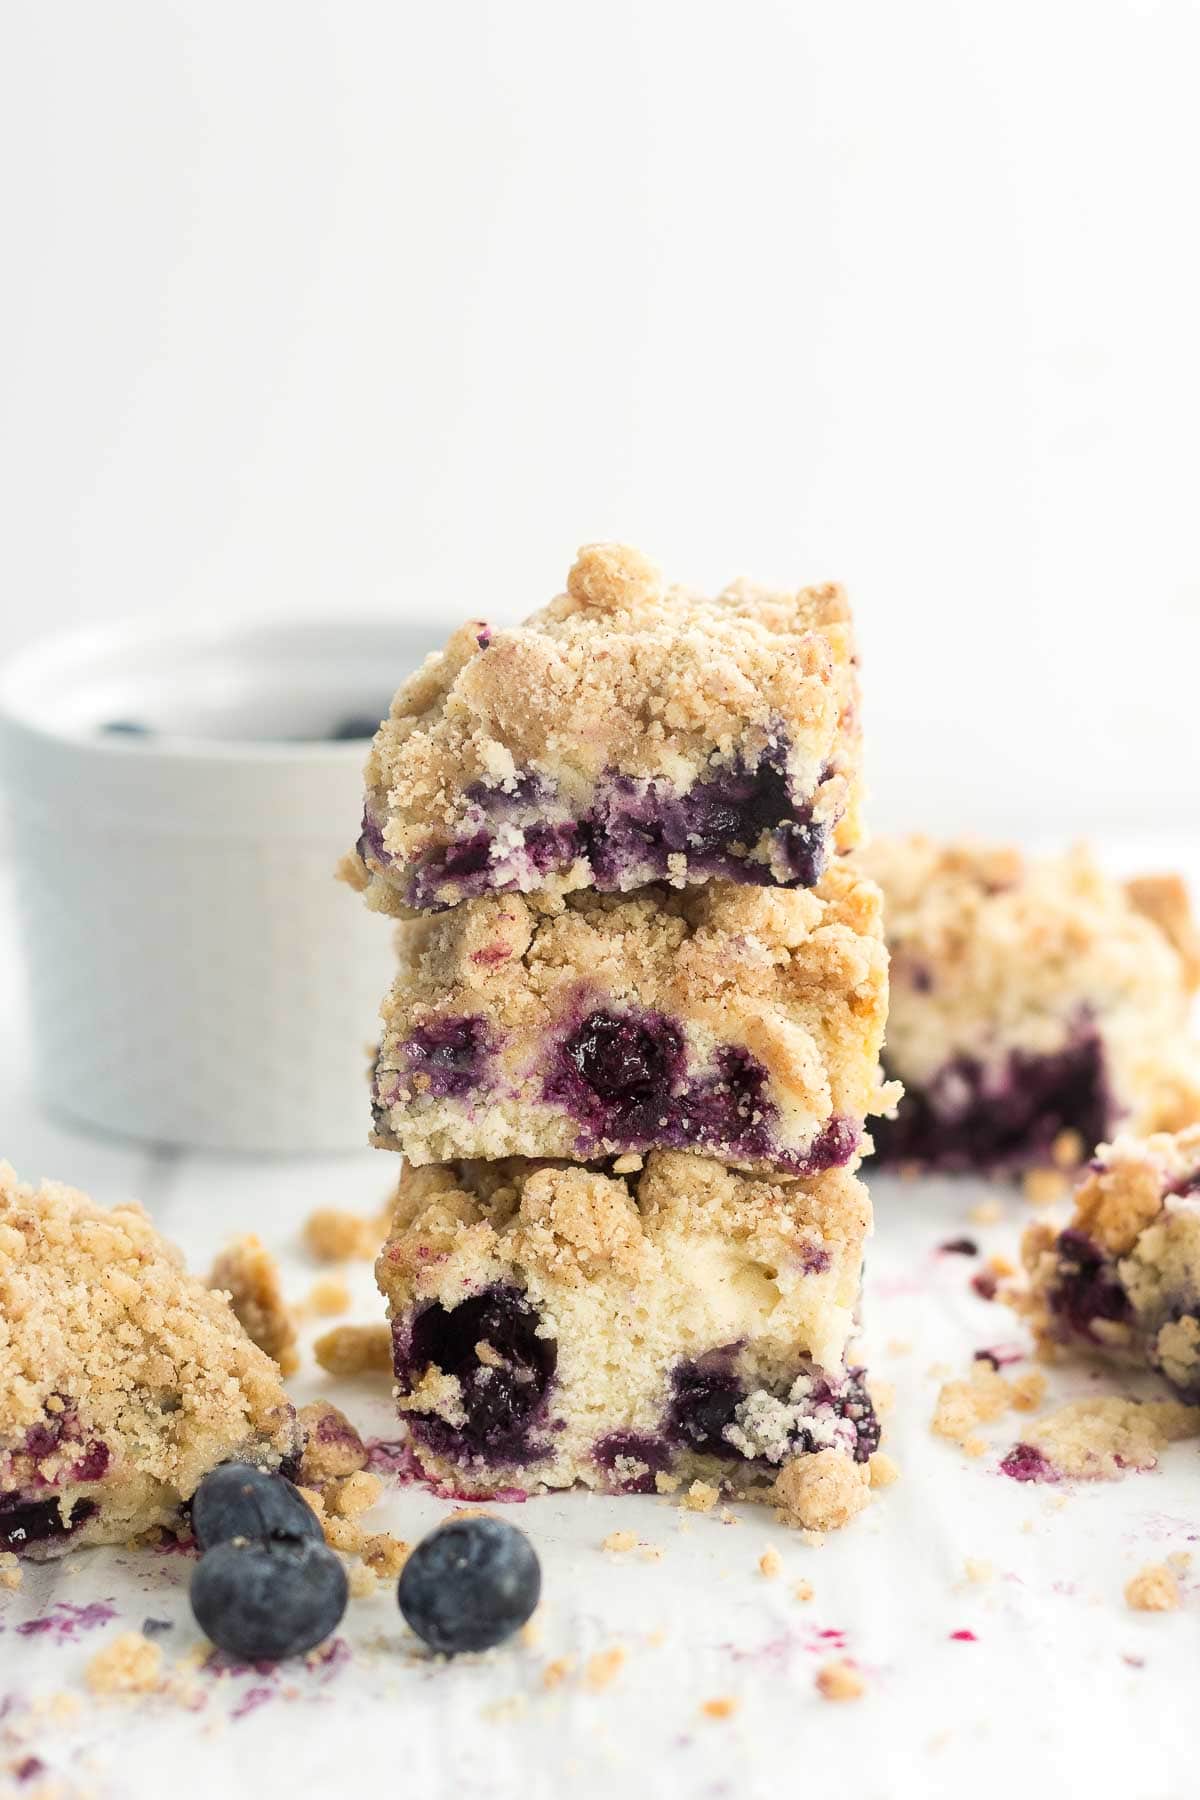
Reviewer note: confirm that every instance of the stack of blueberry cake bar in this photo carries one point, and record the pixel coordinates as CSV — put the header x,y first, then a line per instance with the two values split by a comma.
x,y
632,1046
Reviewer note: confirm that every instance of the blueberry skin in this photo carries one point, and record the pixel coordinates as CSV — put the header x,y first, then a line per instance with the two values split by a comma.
x,y
263,1601
238,1500
469,1585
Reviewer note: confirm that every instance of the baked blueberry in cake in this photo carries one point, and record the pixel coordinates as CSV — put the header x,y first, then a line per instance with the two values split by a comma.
x,y
625,734
123,1380
1037,1007
743,1022
1123,1279
628,1326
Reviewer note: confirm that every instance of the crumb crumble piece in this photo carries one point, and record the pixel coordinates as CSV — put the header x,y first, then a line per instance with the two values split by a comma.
x,y
384,1554
839,1681
620,1540
1152,1589
770,1563
978,1570
722,1707
327,1297
355,1494
557,1671
10,1570
249,1274
1042,1187
882,1471
1105,1437
983,1397
701,1497
332,1446
130,1664
820,1492
604,1667
803,1591
332,1235
355,1350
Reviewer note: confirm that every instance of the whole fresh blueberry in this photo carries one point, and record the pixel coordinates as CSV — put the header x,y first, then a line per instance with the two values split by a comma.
x,y
239,1501
470,1584
266,1600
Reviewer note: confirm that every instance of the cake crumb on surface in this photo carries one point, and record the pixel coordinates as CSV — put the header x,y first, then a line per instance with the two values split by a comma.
x,y
327,1296
354,1495
1042,1187
701,1497
249,1274
722,1707
130,1664
362,1580
803,1591
666,1483
346,1535
620,1540
332,1446
332,1235
1152,1589
882,1470
385,1554
839,1681
557,1671
983,1397
986,1212
10,1570
604,1667
821,1491
355,1350
978,1569
770,1563
1102,1438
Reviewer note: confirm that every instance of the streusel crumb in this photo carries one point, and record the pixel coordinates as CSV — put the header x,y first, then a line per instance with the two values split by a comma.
x,y
249,1274
723,1707
701,1497
355,1350
803,1591
820,1492
1152,1589
840,1681
882,1470
346,1535
1103,1438
362,1580
334,1236
770,1563
332,1446
620,1540
10,1570
1042,1187
385,1554
604,1667
130,1664
353,1495
328,1296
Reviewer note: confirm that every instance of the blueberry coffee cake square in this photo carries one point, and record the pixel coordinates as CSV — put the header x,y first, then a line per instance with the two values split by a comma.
x,y
123,1380
630,1326
743,1022
1122,1280
627,733
1036,1008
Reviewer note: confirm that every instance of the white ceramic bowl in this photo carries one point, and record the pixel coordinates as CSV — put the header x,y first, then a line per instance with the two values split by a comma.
x,y
197,975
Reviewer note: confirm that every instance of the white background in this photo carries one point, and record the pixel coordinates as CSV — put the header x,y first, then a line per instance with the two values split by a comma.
x,y
366,307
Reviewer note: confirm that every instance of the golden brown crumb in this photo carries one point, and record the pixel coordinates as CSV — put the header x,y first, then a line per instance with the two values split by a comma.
x,y
839,1681
1028,1390
10,1570
613,576
1068,1150
983,1397
1001,1266
355,1350
1103,1438
332,1446
723,1707
532,1631
249,1274
1042,1187
1152,1589
130,1664
335,1236
986,1212
363,1581
978,1570
883,1396
1180,1561
702,1496
666,1483
770,1563
315,1499
327,1296
346,1535
354,1495
820,1492
881,1470
604,1667
558,1671
620,1540
385,1554
803,1591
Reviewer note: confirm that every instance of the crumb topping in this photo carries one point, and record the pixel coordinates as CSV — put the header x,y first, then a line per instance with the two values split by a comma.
x,y
355,1350
1153,1589
250,1276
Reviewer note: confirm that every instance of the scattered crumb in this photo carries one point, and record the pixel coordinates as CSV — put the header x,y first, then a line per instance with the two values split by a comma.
x,y
883,1395
334,1236
354,1495
620,1540
1152,1589
723,1707
10,1570
328,1295
1028,1390
249,1274
770,1563
977,1569
315,1499
1180,1561
363,1581
821,1491
701,1497
839,1681
1002,1267
532,1631
332,1446
803,1591
882,1470
986,1212
1042,1187
514,1707
1068,1149
651,1553
1100,1439
628,1164
814,1539
666,1483
355,1350
130,1664
558,1671
346,1535
983,1397
728,1518
604,1667
385,1554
